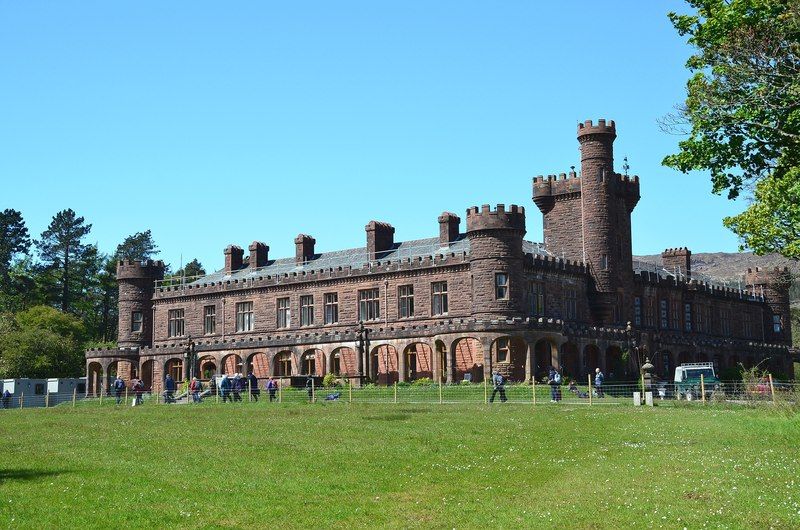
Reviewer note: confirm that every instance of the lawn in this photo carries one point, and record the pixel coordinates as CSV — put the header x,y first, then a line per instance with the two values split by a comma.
x,y
399,465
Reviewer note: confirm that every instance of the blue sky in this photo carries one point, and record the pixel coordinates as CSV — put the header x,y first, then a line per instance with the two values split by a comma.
x,y
226,122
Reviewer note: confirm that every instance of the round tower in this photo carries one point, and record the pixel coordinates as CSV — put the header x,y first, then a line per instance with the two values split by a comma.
x,y
496,260
136,281
774,286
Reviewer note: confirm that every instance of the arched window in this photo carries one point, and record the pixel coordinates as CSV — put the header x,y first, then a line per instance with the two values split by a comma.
x,y
283,364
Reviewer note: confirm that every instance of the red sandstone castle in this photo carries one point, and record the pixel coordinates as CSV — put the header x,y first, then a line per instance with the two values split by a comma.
x,y
458,305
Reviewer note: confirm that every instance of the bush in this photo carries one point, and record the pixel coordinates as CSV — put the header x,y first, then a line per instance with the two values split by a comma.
x,y
465,382
422,381
329,381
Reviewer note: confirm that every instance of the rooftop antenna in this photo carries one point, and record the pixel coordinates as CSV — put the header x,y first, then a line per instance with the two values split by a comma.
x,y
625,165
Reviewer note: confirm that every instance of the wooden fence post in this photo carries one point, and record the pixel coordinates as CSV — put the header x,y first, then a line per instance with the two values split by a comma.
x,y
249,391
101,394
395,391
533,385
349,391
74,396
280,391
126,395
485,391
440,392
21,399
590,389
703,389
771,388
47,399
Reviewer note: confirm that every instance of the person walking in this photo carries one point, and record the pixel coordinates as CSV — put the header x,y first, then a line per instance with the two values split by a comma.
x,y
310,388
138,391
169,389
498,383
225,388
6,398
598,382
554,380
252,382
238,384
119,388
196,387
272,388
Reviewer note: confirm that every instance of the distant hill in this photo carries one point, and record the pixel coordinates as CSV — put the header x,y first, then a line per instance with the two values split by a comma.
x,y
732,265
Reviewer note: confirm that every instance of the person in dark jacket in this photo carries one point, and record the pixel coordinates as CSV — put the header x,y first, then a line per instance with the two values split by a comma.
x,y
310,388
498,383
272,388
554,380
225,385
599,379
119,388
138,389
6,398
238,386
169,389
252,382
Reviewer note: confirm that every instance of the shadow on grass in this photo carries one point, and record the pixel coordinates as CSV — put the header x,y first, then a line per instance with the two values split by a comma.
x,y
7,475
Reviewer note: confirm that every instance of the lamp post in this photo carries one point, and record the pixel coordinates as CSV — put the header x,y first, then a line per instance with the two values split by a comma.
x,y
633,343
362,345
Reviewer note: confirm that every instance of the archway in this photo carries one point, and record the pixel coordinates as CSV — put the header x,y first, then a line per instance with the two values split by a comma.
x,y
174,367
591,358
468,359
111,376
258,364
419,361
570,364
206,367
312,363
616,367
232,365
385,357
94,379
508,356
148,374
282,364
542,359
343,362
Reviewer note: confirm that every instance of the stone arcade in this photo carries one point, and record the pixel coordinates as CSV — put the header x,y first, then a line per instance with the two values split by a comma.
x,y
454,306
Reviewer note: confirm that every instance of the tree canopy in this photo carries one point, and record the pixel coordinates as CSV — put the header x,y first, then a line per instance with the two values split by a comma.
x,y
742,113
64,254
139,246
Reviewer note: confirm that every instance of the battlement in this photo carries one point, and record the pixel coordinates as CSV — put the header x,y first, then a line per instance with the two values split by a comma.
x,y
588,128
548,186
135,269
498,219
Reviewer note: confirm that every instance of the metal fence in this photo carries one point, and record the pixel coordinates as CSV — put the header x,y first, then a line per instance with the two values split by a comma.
x,y
629,393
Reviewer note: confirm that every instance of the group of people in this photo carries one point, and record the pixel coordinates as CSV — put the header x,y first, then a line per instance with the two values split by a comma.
x,y
137,385
232,388
554,381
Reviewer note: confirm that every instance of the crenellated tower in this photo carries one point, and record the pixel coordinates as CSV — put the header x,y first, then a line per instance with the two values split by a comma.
x,y
495,238
136,281
587,217
774,285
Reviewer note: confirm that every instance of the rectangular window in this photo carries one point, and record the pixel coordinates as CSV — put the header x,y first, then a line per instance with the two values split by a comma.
x,y
369,305
777,325
604,262
136,321
405,301
307,310
687,318
175,323
664,314
209,319
244,316
284,316
570,304
649,312
536,298
439,298
676,316
725,321
501,286
747,325
503,350
637,311
698,319
331,308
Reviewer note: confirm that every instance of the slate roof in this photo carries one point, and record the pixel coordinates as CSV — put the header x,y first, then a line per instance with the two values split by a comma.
x,y
356,258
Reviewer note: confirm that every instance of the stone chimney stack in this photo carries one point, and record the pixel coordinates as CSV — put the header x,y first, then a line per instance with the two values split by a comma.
x,y
303,248
380,238
448,228
259,254
233,258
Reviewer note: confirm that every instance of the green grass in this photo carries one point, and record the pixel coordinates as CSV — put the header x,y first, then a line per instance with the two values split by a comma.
x,y
453,466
